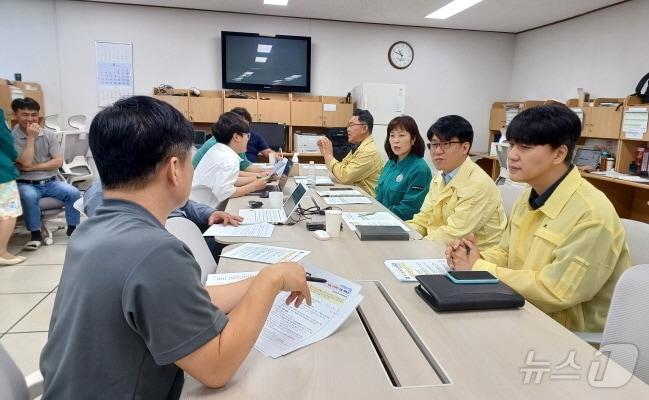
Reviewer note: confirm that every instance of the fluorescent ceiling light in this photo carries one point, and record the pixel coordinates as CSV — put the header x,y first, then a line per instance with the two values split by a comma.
x,y
264,48
452,8
260,59
276,2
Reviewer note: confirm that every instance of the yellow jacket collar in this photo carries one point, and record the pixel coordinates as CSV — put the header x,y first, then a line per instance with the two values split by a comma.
x,y
562,194
465,170
366,142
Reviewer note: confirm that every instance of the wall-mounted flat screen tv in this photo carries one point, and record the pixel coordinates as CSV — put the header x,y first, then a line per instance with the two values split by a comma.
x,y
252,61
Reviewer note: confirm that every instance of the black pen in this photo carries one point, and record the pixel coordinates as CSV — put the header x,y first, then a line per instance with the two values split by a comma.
x,y
310,278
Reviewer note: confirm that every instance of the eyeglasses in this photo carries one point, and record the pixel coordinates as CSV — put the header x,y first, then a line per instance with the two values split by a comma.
x,y
443,145
350,125
245,134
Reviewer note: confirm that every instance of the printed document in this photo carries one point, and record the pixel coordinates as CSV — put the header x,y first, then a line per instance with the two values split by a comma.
x,y
288,328
231,277
339,193
347,200
319,180
406,270
262,230
372,218
265,254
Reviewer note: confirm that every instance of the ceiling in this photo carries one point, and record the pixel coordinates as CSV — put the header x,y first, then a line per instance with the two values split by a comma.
x,y
511,16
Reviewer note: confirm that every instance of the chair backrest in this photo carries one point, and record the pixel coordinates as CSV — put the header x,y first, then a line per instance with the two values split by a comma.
x,y
628,321
52,122
187,232
75,143
636,236
510,192
12,381
77,121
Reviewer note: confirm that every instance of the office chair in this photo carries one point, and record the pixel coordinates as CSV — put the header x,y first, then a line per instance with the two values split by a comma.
x,y
77,122
636,237
510,192
76,146
187,232
52,122
15,386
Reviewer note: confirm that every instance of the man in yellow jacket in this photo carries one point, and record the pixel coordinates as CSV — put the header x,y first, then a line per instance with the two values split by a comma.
x,y
565,247
363,165
462,198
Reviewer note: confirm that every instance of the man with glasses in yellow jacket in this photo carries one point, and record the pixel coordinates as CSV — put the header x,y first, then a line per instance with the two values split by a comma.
x,y
462,198
363,165
564,248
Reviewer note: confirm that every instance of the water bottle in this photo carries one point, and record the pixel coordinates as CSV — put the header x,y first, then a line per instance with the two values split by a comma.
x,y
310,179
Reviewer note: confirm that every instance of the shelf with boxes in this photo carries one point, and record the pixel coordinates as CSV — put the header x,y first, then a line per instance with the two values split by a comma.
x,y
10,90
301,114
615,125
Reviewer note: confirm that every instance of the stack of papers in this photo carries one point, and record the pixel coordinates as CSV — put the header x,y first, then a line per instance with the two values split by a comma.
x,y
262,230
288,328
347,200
372,218
339,193
406,270
319,180
621,176
265,254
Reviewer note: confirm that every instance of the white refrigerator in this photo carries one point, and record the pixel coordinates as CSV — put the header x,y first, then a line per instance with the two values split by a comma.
x,y
385,101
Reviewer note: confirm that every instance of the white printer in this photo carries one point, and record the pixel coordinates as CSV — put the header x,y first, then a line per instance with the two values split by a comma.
x,y
304,142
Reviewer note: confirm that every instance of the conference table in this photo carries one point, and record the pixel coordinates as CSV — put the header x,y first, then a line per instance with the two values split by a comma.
x,y
396,347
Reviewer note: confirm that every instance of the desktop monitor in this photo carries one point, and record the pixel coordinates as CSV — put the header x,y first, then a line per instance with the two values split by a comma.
x,y
199,138
585,156
275,134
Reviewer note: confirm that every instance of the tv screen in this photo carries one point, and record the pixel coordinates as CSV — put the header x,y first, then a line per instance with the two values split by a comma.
x,y
266,63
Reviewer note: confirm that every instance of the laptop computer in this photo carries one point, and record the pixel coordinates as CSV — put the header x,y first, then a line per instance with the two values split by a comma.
x,y
586,156
275,215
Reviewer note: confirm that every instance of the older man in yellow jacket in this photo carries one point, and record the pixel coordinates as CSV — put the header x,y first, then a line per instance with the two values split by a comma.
x,y
565,247
363,165
462,197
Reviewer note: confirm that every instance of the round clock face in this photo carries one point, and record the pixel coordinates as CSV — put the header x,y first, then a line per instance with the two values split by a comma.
x,y
401,55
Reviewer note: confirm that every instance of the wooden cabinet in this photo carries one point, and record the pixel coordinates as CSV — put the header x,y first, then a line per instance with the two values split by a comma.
x,y
335,112
603,122
207,107
248,104
306,113
271,110
180,103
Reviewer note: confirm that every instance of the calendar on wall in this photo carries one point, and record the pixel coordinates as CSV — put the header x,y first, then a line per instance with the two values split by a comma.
x,y
114,71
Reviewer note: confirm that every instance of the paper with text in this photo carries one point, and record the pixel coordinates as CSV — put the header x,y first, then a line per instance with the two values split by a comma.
x,y
265,254
231,277
634,124
288,328
319,180
339,193
372,218
406,270
262,230
347,200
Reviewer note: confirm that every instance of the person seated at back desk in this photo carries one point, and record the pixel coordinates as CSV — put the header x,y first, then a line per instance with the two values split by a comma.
x,y
39,160
405,178
362,166
462,198
201,215
256,145
564,248
131,316
216,178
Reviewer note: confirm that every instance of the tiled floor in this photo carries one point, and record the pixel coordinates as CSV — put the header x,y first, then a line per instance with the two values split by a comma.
x,y
27,294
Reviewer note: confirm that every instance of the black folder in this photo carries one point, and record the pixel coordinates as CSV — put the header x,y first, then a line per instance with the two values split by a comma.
x,y
443,295
381,232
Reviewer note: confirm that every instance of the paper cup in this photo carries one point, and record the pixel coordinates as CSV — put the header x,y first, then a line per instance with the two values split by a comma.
x,y
333,219
276,199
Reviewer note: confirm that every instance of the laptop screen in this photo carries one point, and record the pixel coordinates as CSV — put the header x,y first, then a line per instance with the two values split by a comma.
x,y
294,199
584,156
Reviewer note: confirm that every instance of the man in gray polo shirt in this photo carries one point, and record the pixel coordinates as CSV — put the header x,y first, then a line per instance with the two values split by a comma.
x,y
130,313
39,160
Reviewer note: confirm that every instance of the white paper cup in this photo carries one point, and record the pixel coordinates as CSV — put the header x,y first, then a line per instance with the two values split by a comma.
x,y
272,159
276,199
333,219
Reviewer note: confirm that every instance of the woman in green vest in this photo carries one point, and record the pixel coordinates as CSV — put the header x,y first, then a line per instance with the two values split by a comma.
x,y
405,178
9,199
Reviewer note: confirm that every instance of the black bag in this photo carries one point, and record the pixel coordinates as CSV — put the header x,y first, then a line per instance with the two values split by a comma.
x,y
443,295
638,89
